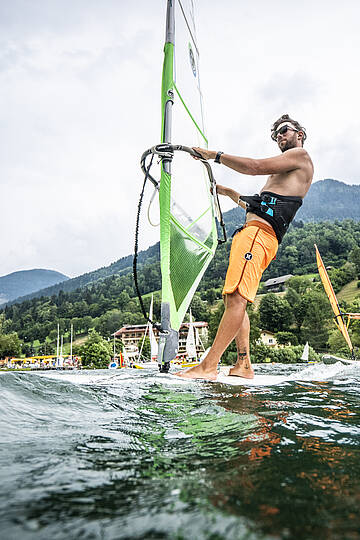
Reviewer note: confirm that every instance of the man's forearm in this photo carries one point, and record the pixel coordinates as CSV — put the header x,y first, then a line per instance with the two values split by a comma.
x,y
234,195
240,164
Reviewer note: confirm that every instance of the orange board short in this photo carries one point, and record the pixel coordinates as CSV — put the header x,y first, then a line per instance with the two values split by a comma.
x,y
252,250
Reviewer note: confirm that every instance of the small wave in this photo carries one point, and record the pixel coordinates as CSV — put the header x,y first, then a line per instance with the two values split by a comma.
x,y
33,404
325,372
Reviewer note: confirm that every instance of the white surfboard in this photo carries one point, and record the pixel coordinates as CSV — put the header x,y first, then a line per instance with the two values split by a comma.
x,y
258,380
224,378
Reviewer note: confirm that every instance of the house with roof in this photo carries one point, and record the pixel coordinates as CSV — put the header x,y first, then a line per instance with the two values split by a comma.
x,y
132,335
268,338
277,284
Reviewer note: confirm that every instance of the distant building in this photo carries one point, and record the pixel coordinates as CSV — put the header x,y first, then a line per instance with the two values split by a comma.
x,y
132,335
277,284
268,338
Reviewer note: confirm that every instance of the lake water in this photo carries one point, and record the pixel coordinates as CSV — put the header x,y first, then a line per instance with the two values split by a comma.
x,y
132,454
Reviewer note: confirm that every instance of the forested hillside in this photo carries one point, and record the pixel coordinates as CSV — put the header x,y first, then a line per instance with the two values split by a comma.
x,y
331,200
111,303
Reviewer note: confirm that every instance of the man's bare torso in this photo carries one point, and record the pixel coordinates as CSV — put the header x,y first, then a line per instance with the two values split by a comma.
x,y
294,183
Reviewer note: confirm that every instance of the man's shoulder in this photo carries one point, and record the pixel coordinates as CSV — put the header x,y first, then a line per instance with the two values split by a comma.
x,y
301,155
298,151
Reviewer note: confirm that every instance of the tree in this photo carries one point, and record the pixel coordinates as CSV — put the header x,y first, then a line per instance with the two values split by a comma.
x,y
5,324
299,284
261,353
254,317
96,352
291,258
337,343
199,308
214,321
296,302
284,338
354,257
9,345
318,314
275,313
109,322
146,349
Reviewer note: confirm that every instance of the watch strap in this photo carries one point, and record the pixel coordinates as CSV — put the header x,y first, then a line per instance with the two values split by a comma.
x,y
217,158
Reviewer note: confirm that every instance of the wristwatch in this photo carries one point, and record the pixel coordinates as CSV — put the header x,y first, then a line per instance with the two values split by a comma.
x,y
217,158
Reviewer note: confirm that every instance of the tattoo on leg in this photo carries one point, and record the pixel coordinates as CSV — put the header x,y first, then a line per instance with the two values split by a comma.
x,y
242,358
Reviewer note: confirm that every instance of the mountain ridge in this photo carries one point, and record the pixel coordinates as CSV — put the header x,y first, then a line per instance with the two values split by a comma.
x,y
24,282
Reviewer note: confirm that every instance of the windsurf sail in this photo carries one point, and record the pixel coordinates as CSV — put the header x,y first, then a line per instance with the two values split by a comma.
x,y
189,208
339,316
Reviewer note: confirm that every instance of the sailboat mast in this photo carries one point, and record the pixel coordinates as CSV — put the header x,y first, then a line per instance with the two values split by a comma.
x,y
71,341
57,342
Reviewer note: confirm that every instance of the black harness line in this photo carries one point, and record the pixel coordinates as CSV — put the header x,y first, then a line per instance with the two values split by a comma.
x,y
136,247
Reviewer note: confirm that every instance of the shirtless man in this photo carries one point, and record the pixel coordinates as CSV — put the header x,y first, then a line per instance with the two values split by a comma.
x,y
268,216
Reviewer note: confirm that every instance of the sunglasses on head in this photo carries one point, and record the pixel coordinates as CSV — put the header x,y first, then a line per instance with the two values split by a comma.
x,y
282,131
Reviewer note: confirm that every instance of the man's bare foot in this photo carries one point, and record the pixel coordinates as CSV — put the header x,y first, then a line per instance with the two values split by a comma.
x,y
244,371
198,372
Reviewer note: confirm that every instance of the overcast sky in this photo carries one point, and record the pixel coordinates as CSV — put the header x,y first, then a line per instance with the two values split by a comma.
x,y
80,101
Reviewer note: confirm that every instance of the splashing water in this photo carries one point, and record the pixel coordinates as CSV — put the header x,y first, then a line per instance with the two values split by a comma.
x,y
136,454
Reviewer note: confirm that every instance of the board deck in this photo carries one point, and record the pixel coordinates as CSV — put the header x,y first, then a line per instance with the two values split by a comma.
x,y
258,380
309,373
224,378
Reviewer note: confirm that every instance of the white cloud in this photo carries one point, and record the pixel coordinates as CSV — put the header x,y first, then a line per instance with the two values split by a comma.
x,y
80,94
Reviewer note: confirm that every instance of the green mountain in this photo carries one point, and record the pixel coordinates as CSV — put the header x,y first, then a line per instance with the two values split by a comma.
x,y
27,281
327,200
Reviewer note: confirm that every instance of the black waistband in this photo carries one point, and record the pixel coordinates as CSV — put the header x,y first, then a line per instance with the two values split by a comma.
x,y
267,196
277,210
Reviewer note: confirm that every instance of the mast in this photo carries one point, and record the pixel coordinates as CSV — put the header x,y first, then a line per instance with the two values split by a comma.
x,y
57,343
168,77
168,338
71,341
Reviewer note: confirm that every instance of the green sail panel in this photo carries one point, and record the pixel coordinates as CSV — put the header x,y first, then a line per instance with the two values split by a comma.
x,y
188,261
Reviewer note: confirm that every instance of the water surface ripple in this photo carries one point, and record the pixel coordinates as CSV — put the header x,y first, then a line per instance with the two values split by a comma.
x,y
132,454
